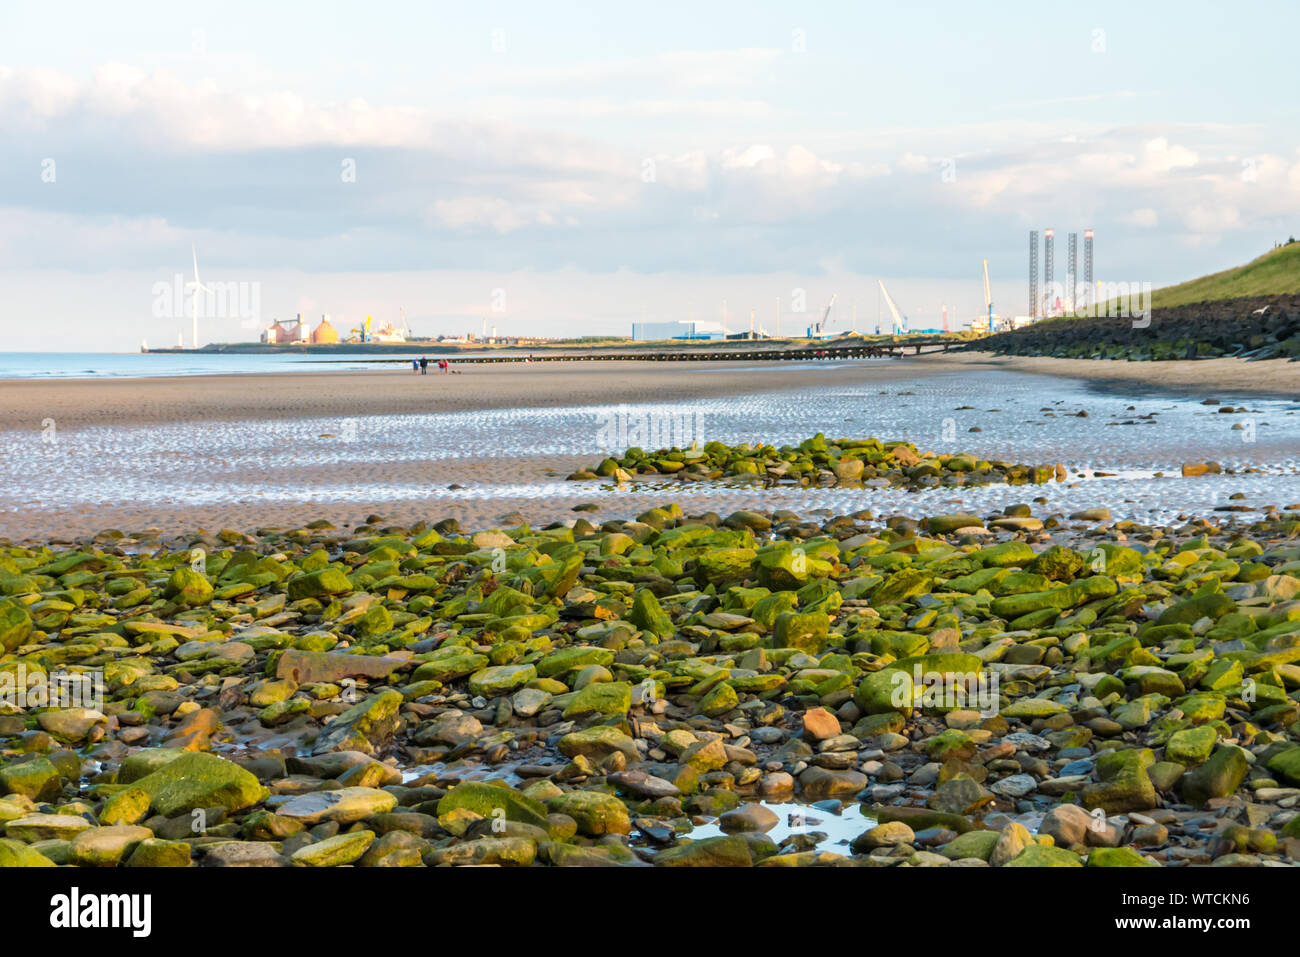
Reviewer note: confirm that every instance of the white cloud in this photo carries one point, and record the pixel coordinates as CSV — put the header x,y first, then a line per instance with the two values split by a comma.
x,y
1145,218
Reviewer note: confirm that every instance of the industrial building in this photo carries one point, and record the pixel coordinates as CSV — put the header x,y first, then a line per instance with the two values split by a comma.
x,y
1072,297
325,333
681,329
295,331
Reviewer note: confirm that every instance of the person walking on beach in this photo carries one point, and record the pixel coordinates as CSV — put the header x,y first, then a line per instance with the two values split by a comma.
x,y
424,365
415,365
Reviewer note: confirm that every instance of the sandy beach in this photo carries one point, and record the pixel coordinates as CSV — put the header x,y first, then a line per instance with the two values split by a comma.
x,y
25,403
174,477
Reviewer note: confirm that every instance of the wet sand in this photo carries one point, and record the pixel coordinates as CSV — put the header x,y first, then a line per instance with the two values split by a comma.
x,y
496,484
1211,378
26,403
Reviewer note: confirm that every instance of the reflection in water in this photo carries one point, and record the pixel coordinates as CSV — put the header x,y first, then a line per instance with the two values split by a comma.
x,y
999,415
823,829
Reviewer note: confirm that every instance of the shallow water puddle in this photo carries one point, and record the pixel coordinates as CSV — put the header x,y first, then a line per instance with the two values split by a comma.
x,y
831,830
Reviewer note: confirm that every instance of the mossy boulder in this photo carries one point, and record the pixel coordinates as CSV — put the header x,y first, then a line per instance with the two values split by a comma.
x,y
493,801
648,615
1218,777
1192,610
1118,857
1057,563
600,699
501,679
1191,745
978,844
185,586
595,812
18,854
719,700
1286,765
200,780
806,631
334,851
322,583
724,566
37,779
15,625
728,851
881,692
1042,855
901,585
367,726
573,659
1124,785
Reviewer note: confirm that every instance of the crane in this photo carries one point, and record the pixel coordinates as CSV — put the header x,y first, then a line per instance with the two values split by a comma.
x,y
900,324
363,330
817,329
988,295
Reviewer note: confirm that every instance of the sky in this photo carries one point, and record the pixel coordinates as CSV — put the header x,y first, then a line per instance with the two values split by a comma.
x,y
569,168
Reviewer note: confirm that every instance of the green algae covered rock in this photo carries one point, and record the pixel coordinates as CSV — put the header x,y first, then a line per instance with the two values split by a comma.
x,y
1057,563
804,630
596,813
334,851
18,854
367,726
37,779
901,585
1191,745
1041,855
188,587
200,780
648,615
728,851
1118,857
601,699
319,584
1218,777
15,625
501,679
978,844
881,692
493,800
1124,785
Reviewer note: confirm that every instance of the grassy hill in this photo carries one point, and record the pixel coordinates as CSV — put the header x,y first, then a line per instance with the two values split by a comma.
x,y
1275,273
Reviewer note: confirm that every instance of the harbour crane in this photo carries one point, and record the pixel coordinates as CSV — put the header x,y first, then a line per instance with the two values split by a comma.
x,y
900,324
817,329
988,295
363,331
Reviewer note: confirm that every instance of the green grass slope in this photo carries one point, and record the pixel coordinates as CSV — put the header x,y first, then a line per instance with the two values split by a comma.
x,y
1275,273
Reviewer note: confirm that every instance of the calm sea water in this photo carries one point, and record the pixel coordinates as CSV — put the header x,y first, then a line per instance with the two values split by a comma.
x,y
94,365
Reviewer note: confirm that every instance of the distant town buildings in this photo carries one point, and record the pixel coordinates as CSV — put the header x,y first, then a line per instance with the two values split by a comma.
x,y
298,331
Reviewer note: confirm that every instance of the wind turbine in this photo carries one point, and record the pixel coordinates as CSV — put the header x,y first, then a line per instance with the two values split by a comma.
x,y
194,302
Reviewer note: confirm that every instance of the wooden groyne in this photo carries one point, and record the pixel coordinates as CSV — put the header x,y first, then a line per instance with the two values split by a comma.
x,y
894,350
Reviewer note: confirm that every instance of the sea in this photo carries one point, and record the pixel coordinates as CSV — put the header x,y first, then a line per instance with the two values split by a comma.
x,y
99,365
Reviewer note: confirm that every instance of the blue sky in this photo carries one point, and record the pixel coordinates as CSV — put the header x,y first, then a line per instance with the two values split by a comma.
x,y
567,168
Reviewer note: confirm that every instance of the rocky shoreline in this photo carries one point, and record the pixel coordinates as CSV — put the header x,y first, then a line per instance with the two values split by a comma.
x,y
868,463
1265,327
995,690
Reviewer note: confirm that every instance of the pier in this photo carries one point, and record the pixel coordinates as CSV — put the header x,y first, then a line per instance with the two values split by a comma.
x,y
892,350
